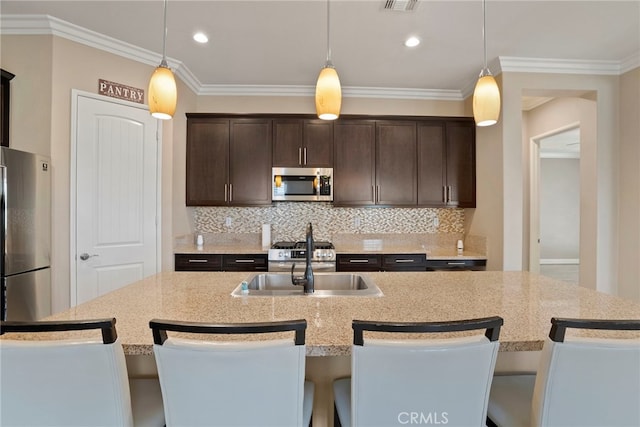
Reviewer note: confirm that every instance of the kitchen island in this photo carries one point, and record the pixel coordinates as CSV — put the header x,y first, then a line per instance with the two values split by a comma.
x,y
525,301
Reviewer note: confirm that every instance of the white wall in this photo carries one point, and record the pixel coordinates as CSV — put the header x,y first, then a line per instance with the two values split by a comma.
x,y
47,69
562,113
629,186
600,172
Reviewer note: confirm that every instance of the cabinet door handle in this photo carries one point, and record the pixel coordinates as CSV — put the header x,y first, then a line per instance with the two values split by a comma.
x,y
377,194
300,156
373,194
245,261
198,260
225,192
448,194
405,260
230,192
444,193
456,263
305,156
360,261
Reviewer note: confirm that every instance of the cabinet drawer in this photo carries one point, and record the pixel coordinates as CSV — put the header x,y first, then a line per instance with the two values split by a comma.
x,y
404,262
456,264
198,262
244,262
355,262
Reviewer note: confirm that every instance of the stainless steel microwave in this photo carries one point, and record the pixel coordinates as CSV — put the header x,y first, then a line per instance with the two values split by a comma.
x,y
302,184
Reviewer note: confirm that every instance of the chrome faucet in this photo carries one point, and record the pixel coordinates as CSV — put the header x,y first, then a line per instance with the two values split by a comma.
x,y
307,279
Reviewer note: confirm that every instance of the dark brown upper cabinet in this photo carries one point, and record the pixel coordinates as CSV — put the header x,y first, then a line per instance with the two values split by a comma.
x,y
446,164
228,162
396,163
354,163
375,163
406,161
302,143
5,104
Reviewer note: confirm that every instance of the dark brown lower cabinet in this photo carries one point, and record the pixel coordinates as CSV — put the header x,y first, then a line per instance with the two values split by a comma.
x,y
198,262
381,262
358,262
457,264
221,262
244,262
404,262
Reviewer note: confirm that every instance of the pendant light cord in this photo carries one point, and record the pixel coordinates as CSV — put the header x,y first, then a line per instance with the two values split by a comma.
x,y
164,38
484,32
328,35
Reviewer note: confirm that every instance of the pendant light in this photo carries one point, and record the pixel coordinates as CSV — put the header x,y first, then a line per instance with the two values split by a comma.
x,y
162,86
328,91
486,96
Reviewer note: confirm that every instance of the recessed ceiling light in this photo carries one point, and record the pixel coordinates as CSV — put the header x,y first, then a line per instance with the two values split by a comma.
x,y
412,42
200,37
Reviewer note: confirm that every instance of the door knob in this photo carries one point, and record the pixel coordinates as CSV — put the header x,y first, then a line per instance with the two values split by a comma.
x,y
85,256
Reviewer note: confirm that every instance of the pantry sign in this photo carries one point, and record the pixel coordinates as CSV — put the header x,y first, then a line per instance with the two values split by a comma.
x,y
120,91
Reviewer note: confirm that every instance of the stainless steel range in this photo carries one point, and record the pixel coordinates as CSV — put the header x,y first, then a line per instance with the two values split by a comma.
x,y
283,255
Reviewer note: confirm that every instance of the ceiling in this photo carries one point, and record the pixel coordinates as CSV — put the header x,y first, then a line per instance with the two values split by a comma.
x,y
259,44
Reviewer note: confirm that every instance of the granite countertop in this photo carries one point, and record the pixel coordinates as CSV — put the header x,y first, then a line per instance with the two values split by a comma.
x,y
434,254
526,302
229,248
438,253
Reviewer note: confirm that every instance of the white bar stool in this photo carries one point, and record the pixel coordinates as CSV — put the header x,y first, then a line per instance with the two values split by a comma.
x,y
580,381
419,381
73,382
240,383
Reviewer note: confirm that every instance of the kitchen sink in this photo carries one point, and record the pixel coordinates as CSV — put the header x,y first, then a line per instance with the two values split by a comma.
x,y
325,284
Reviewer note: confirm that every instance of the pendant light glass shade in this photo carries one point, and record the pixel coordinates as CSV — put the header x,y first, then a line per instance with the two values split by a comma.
x,y
486,100
486,96
163,94
328,94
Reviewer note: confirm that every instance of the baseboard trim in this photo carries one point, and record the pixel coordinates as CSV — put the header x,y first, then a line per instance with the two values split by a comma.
x,y
559,261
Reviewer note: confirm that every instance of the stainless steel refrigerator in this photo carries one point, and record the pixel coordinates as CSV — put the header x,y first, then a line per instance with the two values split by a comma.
x,y
25,235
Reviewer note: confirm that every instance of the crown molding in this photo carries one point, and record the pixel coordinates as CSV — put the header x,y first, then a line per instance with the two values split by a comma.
x,y
630,63
49,25
347,92
558,66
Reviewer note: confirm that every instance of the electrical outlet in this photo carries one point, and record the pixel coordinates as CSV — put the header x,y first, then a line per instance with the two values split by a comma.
x,y
228,221
357,222
436,222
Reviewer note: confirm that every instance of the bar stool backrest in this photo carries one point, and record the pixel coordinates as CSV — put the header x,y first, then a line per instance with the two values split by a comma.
x,y
207,383
588,381
77,382
423,381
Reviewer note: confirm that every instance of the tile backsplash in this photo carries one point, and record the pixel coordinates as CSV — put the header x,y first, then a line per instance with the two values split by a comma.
x,y
289,219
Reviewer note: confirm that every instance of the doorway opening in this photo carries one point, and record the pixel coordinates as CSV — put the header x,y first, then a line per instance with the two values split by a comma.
x,y
559,204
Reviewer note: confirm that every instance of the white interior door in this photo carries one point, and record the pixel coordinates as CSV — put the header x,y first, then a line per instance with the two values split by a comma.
x,y
116,158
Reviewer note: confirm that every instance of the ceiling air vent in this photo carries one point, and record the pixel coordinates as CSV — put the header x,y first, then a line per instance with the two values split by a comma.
x,y
400,5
